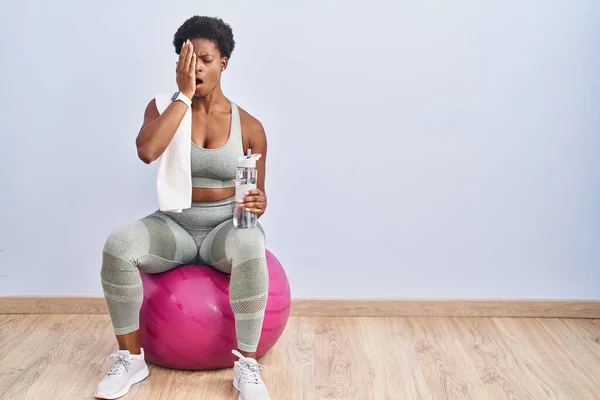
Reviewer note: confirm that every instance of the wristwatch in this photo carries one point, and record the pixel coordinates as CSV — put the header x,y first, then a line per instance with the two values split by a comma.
x,y
182,97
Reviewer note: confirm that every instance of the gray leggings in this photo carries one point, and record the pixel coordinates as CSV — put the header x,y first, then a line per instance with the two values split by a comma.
x,y
202,234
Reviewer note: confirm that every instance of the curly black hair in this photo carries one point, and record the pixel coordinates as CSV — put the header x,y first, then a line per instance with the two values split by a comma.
x,y
209,28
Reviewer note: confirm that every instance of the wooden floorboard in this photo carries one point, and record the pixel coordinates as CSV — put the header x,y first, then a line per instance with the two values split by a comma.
x,y
62,356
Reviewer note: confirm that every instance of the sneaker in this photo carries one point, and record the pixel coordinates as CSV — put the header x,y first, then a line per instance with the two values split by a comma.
x,y
247,380
128,370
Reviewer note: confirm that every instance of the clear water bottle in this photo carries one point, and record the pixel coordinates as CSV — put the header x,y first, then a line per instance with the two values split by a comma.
x,y
245,180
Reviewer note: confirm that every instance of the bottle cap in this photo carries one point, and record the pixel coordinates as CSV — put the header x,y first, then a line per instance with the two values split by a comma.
x,y
249,160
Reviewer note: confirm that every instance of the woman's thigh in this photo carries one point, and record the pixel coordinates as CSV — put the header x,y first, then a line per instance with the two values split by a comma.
x,y
225,242
153,244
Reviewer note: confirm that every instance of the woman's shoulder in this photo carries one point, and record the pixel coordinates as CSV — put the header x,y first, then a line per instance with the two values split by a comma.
x,y
250,123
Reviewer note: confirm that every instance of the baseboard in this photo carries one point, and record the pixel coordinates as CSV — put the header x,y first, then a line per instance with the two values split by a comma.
x,y
345,307
448,308
52,305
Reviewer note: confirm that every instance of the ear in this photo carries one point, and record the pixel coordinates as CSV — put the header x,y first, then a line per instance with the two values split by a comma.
x,y
224,62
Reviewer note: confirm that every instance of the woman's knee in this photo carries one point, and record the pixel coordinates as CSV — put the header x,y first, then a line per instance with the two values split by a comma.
x,y
128,241
122,248
245,244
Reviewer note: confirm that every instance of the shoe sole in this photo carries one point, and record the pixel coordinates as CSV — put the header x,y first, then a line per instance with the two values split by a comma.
x,y
237,388
140,376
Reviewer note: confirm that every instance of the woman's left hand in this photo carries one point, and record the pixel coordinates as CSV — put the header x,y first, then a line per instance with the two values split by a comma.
x,y
255,202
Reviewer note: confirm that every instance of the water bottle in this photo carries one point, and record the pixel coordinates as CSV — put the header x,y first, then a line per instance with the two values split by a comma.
x,y
245,180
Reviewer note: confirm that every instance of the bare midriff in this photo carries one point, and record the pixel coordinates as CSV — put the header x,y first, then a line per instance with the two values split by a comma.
x,y
208,195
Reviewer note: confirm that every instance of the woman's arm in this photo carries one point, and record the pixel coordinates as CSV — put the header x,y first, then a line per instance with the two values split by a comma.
x,y
258,145
158,130
256,200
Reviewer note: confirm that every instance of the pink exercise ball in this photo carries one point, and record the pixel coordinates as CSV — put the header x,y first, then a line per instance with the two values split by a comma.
x,y
186,321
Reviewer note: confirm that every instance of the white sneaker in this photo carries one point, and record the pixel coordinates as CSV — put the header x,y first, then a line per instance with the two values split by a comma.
x,y
247,380
129,369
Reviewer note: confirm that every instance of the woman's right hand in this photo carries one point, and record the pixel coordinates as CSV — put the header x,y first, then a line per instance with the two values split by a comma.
x,y
186,70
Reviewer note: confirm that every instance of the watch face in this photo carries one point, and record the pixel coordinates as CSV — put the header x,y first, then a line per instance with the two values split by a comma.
x,y
175,96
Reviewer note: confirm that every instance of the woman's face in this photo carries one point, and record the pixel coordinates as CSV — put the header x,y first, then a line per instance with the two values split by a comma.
x,y
209,66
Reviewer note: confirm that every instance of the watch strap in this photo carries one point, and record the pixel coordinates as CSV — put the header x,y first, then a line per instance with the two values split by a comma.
x,y
178,96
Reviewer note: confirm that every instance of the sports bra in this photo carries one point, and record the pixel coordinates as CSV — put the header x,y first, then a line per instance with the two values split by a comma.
x,y
216,168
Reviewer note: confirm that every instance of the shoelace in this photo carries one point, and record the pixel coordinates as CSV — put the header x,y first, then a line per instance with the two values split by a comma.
x,y
121,363
251,372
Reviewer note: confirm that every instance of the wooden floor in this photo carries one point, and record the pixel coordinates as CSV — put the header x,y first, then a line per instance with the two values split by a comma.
x,y
54,356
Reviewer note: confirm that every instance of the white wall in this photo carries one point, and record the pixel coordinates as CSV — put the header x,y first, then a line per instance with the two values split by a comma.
x,y
454,149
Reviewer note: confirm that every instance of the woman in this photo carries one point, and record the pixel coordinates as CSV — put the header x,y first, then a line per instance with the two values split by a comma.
x,y
204,233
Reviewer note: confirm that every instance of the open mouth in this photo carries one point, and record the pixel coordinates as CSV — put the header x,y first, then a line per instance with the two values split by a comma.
x,y
199,81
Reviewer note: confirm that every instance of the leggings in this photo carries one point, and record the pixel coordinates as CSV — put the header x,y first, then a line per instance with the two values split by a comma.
x,y
201,234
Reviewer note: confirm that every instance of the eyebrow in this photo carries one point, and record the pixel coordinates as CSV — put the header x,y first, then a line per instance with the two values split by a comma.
x,y
205,55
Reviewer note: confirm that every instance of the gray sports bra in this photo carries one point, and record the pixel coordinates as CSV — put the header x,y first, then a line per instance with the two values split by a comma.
x,y
216,168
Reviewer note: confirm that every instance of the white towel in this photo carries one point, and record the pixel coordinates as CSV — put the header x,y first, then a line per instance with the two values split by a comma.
x,y
174,177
